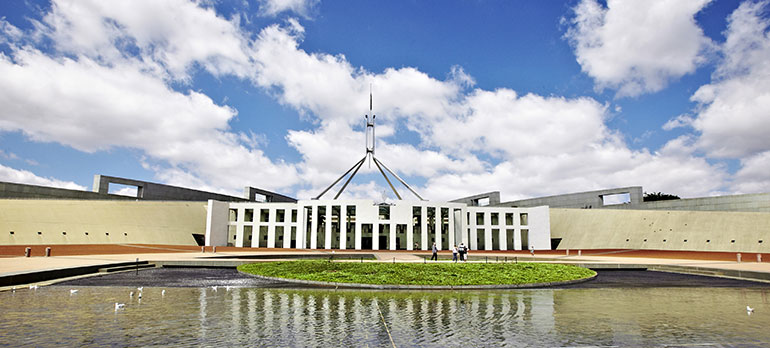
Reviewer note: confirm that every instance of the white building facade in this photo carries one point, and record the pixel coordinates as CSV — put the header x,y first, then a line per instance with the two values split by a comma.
x,y
366,225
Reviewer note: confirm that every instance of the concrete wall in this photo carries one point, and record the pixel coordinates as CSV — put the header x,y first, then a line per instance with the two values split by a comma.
x,y
159,192
100,222
586,200
661,230
24,191
759,202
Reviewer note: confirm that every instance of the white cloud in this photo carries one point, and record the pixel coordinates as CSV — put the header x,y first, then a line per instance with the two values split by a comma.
x,y
753,175
637,47
734,109
19,176
170,36
303,8
94,98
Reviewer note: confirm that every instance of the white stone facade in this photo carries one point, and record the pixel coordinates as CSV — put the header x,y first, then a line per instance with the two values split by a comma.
x,y
365,225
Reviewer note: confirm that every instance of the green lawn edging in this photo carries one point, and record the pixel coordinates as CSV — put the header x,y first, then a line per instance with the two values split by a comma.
x,y
437,276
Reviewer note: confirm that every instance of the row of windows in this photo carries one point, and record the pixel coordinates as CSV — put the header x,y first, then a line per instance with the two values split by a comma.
x,y
383,213
264,215
64,233
495,218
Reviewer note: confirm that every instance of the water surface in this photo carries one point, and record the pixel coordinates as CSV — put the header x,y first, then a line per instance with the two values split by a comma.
x,y
275,317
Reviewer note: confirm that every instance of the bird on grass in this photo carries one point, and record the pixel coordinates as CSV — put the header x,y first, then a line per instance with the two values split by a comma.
x,y
140,288
163,293
73,291
131,294
33,287
214,288
119,306
749,310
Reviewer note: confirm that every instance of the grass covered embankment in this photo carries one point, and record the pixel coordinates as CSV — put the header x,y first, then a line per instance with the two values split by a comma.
x,y
433,274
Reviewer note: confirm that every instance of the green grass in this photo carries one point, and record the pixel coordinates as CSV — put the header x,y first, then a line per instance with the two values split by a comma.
x,y
446,274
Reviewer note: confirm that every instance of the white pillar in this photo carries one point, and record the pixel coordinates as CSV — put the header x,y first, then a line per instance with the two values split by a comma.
x,y
314,227
424,228
343,227
376,236
392,236
358,232
410,232
328,228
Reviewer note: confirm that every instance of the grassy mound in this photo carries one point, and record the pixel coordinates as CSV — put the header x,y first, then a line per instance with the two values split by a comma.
x,y
443,274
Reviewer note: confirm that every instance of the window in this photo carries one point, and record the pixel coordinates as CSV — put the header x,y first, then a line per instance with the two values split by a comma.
x,y
249,215
280,215
384,212
294,215
524,219
495,217
509,219
264,215
233,216
479,218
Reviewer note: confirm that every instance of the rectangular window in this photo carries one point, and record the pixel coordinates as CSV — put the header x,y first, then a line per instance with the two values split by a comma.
x,y
280,215
416,227
509,219
294,215
233,216
480,239
384,212
264,215
495,217
524,219
249,215
479,218
263,236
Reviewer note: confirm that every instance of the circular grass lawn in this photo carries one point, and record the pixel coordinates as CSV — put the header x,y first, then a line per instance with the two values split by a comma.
x,y
431,274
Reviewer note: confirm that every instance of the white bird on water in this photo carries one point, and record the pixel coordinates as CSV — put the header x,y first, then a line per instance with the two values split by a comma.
x,y
749,310
72,291
119,306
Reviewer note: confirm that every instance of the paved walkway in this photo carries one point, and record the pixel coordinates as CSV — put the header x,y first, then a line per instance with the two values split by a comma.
x,y
18,264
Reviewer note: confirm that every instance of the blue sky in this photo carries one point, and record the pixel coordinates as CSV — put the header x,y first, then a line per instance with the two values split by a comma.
x,y
528,98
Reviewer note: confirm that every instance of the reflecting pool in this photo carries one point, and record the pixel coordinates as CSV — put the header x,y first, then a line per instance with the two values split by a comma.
x,y
341,318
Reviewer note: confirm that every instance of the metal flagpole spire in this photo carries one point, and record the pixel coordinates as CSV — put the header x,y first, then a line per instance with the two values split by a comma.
x,y
370,143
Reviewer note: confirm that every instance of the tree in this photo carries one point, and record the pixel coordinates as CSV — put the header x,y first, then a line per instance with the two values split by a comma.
x,y
658,196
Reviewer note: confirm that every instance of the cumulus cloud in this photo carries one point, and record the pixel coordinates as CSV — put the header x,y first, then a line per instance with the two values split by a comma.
x,y
637,47
303,8
92,96
734,109
9,174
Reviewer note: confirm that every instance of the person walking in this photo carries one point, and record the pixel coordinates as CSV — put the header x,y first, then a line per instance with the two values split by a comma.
x,y
461,251
435,253
454,253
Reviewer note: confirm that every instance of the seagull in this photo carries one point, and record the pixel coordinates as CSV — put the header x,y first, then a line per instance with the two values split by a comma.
x,y
119,306
13,289
72,291
227,287
140,288
163,293
140,295
749,310
131,294
33,287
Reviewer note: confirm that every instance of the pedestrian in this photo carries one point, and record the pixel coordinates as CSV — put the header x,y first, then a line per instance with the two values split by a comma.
x,y
532,250
416,246
454,253
461,251
467,251
435,253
